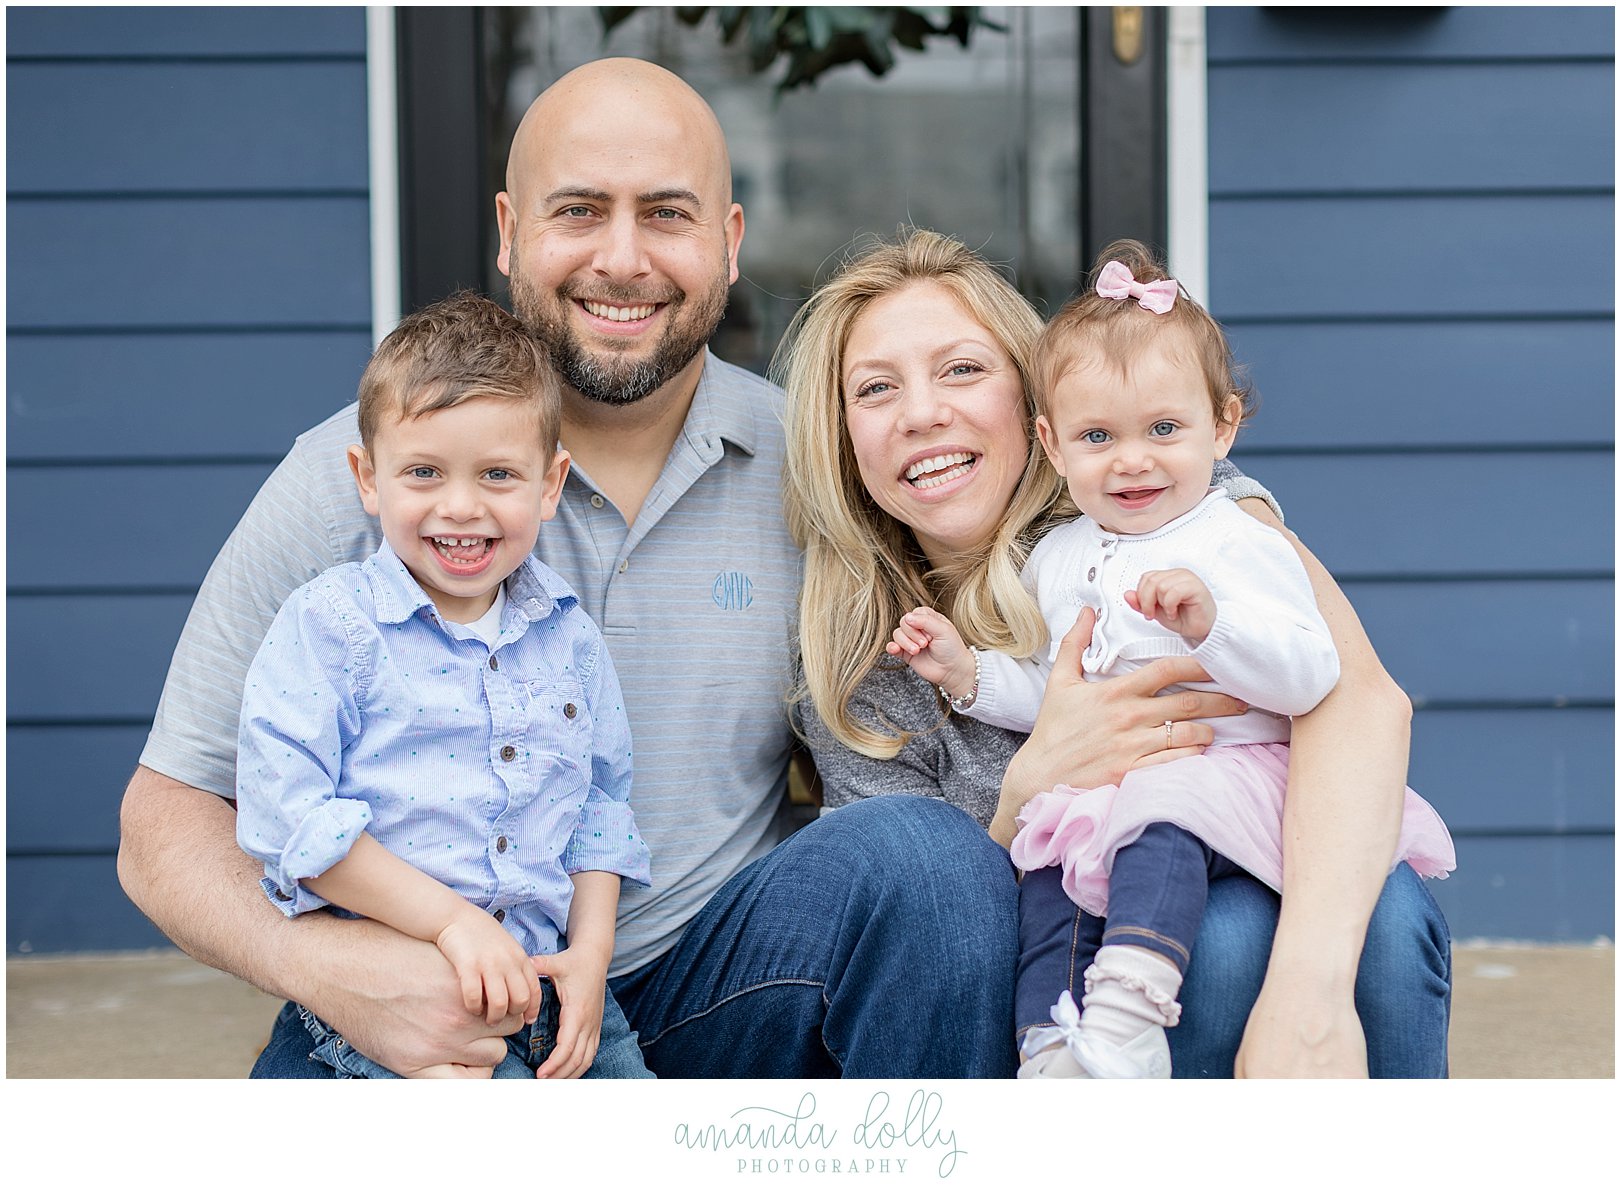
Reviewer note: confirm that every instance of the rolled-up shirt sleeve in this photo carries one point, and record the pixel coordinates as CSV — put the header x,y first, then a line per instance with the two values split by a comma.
x,y
605,837
299,711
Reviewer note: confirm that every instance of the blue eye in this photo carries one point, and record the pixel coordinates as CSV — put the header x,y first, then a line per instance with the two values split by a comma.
x,y
1162,429
498,474
875,388
422,472
1095,437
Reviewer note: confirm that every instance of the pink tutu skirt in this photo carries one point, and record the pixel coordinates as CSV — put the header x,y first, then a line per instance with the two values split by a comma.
x,y
1230,797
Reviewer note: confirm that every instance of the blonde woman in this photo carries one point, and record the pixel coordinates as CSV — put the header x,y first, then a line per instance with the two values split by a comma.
x,y
914,478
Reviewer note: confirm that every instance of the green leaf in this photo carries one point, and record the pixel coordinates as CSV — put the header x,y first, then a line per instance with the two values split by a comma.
x,y
935,18
819,38
818,28
762,38
910,29
612,18
849,19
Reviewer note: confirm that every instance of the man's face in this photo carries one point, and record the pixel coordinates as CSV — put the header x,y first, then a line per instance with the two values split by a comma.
x,y
621,246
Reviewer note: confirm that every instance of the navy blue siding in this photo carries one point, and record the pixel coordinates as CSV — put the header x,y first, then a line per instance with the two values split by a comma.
x,y
187,289
235,393
1414,383
161,525
226,127
1412,243
1421,143
87,760
1558,887
188,262
1519,771
1448,515
1430,36
1418,256
168,33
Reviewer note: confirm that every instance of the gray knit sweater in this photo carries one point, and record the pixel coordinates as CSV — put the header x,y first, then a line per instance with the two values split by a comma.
x,y
951,757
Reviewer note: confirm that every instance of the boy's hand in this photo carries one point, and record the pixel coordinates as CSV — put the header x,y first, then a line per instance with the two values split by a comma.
x,y
1176,599
580,976
494,972
935,650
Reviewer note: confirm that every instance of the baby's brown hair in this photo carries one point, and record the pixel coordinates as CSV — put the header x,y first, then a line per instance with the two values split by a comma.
x,y
1092,328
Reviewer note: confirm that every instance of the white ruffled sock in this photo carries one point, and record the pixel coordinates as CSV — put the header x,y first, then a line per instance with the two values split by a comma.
x,y
1128,991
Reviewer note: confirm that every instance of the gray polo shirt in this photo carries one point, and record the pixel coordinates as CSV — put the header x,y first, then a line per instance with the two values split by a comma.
x,y
696,600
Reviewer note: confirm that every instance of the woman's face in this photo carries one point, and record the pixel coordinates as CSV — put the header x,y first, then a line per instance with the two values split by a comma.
x,y
936,415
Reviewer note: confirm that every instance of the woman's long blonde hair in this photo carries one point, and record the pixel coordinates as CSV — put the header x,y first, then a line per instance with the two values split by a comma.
x,y
863,568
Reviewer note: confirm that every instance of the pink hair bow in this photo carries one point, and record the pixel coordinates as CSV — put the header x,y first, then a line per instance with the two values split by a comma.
x,y
1116,283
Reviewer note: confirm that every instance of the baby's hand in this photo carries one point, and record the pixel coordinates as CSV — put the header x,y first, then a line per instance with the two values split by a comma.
x,y
1178,600
935,651
495,974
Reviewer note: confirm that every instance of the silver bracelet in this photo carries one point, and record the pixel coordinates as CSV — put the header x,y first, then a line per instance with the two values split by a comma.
x,y
963,703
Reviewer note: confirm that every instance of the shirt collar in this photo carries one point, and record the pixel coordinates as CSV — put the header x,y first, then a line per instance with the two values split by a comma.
x,y
721,408
532,589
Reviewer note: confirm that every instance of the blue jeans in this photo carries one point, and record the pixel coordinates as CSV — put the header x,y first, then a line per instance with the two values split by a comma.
x,y
323,1053
1403,986
881,941
878,941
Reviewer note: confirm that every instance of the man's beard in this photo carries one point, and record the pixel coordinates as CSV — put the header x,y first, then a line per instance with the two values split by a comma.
x,y
612,379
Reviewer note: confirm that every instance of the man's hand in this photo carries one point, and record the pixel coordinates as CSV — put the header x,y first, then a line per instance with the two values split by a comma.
x,y
493,970
400,1003
580,977
1177,600
393,997
935,650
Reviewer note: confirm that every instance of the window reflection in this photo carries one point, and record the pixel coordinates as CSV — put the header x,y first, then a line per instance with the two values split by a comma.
x,y
981,143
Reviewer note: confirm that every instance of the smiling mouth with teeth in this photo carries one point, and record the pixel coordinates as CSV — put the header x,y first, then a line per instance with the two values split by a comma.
x,y
615,313
932,472
462,550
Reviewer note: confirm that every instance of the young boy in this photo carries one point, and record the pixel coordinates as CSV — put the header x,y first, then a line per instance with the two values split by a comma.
x,y
434,738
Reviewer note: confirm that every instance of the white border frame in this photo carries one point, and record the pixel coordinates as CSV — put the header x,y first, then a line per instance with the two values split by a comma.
x,y
382,127
1187,153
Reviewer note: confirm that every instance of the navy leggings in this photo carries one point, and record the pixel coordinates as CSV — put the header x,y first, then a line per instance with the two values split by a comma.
x,y
1157,892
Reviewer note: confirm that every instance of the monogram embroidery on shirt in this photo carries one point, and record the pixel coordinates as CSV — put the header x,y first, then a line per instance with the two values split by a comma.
x,y
733,591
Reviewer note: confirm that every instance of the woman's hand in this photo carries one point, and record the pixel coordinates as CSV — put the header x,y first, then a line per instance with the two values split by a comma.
x,y
1092,733
1302,1027
1341,817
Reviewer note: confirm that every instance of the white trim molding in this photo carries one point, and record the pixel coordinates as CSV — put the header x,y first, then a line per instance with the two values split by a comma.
x,y
382,120
1187,153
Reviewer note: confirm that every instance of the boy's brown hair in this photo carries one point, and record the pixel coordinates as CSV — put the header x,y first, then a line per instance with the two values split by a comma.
x,y
457,349
1094,329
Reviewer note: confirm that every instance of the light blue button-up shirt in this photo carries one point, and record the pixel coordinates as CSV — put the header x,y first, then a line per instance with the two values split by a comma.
x,y
500,772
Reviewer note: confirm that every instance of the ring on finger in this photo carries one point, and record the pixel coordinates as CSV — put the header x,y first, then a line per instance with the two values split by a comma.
x,y
1168,744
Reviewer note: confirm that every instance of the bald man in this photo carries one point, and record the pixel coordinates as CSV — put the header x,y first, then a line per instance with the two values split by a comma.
x,y
876,942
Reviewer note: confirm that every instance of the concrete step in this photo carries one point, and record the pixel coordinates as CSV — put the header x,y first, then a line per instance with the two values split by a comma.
x,y
1517,1012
